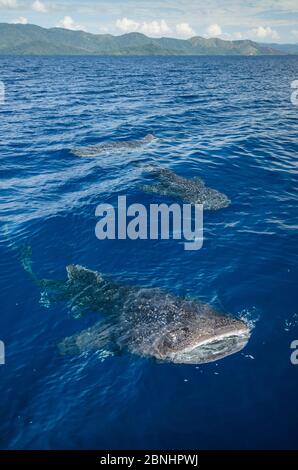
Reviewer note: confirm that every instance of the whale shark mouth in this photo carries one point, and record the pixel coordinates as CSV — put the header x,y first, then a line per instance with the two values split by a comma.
x,y
212,348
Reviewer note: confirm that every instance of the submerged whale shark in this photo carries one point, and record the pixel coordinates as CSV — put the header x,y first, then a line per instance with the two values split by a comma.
x,y
95,150
144,321
191,190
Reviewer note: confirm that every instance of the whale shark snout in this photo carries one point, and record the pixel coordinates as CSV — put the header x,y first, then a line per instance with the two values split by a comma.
x,y
191,345
213,349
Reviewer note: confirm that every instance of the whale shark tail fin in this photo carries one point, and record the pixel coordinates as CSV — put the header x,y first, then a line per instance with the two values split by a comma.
x,y
26,261
51,290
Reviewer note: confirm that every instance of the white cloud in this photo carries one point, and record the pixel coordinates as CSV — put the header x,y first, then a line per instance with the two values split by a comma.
x,y
127,25
69,23
8,4
214,30
295,33
263,32
185,30
258,33
39,6
153,28
21,20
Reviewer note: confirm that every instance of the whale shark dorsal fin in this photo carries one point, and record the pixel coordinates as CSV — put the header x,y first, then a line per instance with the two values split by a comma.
x,y
77,273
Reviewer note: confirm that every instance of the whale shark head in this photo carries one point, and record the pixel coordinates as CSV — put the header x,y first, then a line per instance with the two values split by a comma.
x,y
199,343
213,199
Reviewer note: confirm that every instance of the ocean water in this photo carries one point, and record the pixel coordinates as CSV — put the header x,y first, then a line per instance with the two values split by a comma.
x,y
229,121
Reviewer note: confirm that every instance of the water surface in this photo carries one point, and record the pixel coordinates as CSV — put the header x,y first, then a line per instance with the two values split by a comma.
x,y
229,121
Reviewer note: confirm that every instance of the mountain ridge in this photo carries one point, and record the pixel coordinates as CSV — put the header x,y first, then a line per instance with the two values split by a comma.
x,y
18,39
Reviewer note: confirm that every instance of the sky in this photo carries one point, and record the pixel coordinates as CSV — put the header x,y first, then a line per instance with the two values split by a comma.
x,y
259,20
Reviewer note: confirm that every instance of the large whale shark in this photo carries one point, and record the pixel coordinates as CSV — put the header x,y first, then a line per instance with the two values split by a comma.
x,y
144,321
104,147
191,190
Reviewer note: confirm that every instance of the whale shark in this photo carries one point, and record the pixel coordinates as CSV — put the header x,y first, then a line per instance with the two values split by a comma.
x,y
104,147
192,190
144,321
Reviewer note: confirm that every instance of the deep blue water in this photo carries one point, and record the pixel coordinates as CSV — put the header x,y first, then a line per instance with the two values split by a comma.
x,y
227,120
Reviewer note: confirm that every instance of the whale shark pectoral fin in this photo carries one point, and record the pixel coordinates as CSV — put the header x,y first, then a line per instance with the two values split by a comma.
x,y
99,337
